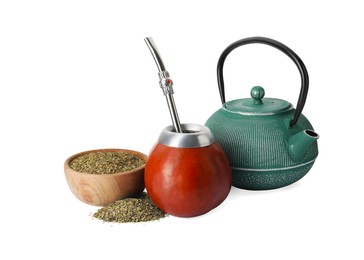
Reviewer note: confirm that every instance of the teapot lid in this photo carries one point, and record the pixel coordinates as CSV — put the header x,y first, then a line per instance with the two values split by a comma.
x,y
257,105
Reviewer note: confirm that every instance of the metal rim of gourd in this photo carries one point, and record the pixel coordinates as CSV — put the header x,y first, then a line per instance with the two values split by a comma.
x,y
192,136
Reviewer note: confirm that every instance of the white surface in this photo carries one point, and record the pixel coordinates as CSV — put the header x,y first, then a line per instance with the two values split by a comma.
x,y
77,75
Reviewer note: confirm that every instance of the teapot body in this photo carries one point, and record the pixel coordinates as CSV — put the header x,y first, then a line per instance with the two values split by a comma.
x,y
269,143
259,148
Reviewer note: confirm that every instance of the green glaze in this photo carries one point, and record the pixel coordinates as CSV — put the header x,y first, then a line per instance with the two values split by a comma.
x,y
264,151
257,105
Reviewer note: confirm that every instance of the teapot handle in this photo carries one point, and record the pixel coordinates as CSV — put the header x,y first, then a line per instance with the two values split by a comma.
x,y
301,67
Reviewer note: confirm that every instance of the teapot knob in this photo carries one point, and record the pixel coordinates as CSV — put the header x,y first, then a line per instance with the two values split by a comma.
x,y
257,93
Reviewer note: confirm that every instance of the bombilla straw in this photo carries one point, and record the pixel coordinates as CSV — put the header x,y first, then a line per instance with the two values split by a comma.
x,y
155,53
165,83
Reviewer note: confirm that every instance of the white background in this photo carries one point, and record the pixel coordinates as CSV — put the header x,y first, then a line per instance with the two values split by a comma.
x,y
77,75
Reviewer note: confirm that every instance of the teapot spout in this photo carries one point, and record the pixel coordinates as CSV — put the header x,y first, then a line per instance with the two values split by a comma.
x,y
299,143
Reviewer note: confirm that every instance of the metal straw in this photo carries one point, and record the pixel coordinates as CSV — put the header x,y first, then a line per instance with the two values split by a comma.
x,y
165,83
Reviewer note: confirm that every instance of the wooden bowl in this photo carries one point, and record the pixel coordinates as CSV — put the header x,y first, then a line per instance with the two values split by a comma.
x,y
103,189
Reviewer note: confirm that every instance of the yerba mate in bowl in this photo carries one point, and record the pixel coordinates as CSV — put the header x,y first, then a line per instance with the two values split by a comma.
x,y
100,177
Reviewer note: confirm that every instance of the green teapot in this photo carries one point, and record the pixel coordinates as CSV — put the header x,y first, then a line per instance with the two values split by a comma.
x,y
269,143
